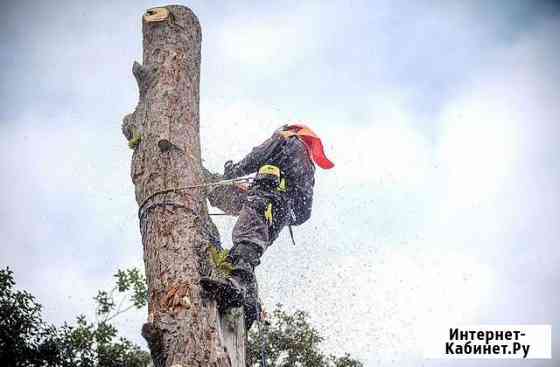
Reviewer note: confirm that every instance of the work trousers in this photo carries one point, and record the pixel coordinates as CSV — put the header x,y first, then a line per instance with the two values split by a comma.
x,y
253,233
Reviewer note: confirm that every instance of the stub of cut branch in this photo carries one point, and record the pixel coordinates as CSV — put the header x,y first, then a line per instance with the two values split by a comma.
x,y
156,15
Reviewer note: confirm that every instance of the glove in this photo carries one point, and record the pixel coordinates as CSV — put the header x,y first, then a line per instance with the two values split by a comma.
x,y
228,170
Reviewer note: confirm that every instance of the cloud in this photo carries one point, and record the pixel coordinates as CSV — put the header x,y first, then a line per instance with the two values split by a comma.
x,y
278,42
441,119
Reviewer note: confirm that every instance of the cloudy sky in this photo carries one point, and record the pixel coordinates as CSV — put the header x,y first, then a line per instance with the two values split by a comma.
x,y
443,119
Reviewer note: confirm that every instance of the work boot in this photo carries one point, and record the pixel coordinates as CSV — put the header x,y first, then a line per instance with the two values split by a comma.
x,y
244,270
248,284
228,292
238,290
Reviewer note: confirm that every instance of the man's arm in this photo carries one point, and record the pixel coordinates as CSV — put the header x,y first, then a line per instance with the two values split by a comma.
x,y
256,158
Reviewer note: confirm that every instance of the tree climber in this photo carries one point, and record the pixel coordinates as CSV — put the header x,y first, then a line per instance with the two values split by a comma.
x,y
281,195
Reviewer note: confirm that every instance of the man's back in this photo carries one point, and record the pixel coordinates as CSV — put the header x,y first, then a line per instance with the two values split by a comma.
x,y
299,171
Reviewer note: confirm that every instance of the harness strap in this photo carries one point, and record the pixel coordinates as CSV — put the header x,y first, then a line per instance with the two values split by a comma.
x,y
291,234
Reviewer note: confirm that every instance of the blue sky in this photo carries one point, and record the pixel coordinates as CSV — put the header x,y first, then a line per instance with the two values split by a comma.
x,y
442,118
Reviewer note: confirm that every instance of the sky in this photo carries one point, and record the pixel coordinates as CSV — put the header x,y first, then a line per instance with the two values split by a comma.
x,y
442,118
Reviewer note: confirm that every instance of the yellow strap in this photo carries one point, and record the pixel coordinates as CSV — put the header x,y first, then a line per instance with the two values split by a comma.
x,y
268,213
269,169
282,187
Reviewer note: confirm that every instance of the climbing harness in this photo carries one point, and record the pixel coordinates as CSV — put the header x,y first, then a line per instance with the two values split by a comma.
x,y
269,170
268,177
271,177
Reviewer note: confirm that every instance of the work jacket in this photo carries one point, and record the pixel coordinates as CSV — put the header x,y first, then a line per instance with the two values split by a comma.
x,y
290,154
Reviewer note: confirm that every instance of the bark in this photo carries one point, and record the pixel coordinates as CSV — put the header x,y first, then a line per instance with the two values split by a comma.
x,y
184,327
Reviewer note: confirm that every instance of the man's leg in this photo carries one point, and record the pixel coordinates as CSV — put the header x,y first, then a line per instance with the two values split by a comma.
x,y
252,234
251,237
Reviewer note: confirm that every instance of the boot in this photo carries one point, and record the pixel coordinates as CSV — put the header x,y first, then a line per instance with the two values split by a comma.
x,y
235,291
244,271
228,292
240,288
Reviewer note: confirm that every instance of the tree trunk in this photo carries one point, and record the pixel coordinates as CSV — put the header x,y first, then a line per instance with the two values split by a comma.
x,y
184,327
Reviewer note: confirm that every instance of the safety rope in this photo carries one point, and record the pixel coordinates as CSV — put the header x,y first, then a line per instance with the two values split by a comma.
x,y
176,189
143,209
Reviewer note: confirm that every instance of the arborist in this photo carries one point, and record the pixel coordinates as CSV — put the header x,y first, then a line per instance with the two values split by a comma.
x,y
280,195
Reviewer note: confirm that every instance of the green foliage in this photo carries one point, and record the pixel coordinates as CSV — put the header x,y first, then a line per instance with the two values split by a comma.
x,y
27,341
221,263
132,280
131,284
291,341
88,344
344,361
105,302
135,140
21,327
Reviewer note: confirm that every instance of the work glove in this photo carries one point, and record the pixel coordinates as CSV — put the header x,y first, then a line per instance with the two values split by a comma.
x,y
228,170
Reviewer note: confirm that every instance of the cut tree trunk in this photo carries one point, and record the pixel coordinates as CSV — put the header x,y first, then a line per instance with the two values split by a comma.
x,y
184,327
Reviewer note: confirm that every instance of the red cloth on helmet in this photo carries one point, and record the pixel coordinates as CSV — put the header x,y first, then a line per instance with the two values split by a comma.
x,y
313,143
